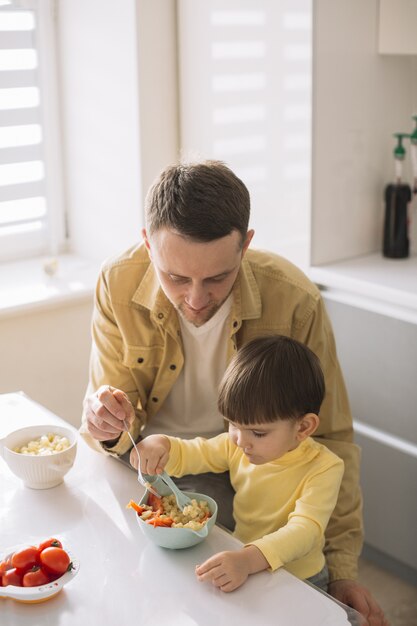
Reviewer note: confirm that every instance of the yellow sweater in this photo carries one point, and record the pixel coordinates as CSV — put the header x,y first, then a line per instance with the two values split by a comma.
x,y
282,507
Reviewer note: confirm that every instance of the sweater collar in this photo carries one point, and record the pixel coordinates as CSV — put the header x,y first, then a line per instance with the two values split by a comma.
x,y
305,450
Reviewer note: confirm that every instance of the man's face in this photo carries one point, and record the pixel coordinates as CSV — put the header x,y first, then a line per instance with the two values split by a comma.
x,y
196,277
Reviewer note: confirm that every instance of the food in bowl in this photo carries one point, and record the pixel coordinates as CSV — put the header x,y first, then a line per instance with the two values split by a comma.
x,y
164,511
39,471
169,536
45,444
34,573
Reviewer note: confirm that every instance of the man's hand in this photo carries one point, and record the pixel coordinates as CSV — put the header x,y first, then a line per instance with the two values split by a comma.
x,y
105,411
354,595
154,454
229,570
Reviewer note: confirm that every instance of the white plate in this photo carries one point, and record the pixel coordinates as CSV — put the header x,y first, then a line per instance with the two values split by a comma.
x,y
43,592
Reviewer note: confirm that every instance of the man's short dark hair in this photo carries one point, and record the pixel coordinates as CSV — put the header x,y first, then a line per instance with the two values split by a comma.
x,y
202,201
271,378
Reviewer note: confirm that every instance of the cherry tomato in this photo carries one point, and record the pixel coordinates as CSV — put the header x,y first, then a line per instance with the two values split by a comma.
x,y
50,543
154,502
35,577
12,577
55,560
5,565
26,558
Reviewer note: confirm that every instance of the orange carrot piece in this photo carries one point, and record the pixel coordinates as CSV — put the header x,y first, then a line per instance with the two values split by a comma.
x,y
132,505
160,521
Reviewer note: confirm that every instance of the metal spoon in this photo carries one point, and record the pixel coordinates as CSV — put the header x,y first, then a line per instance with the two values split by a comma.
x,y
141,478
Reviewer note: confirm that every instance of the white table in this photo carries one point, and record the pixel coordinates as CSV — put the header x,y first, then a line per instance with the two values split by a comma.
x,y
123,579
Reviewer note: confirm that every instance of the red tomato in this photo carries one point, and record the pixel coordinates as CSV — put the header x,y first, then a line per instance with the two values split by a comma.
x,y
12,577
5,565
35,577
26,558
55,560
48,543
154,502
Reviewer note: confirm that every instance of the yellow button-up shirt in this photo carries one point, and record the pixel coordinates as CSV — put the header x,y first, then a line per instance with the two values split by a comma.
x,y
137,348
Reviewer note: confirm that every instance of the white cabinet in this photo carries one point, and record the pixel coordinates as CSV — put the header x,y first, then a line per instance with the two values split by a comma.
x,y
372,303
379,360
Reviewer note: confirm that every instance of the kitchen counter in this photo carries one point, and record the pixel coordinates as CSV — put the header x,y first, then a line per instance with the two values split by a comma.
x,y
373,283
123,578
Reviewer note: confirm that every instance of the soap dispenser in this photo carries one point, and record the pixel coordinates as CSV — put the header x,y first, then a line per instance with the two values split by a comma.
x,y
397,197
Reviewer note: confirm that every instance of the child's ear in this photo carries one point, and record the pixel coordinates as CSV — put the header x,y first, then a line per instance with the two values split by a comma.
x,y
307,425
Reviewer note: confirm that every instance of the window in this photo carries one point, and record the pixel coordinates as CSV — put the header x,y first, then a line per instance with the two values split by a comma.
x,y
31,220
245,85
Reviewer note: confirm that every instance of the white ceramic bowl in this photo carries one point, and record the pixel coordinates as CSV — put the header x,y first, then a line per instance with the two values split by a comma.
x,y
39,472
178,538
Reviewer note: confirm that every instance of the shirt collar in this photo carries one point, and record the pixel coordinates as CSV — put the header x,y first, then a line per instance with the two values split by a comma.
x,y
246,296
150,295
246,293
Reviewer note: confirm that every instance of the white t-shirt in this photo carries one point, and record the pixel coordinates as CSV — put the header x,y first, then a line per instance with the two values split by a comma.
x,y
191,406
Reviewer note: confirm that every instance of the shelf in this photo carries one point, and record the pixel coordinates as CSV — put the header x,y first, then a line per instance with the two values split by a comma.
x,y
386,286
25,285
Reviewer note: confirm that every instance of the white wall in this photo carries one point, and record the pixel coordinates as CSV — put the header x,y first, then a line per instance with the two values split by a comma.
x,y
360,98
45,354
158,89
99,102
116,136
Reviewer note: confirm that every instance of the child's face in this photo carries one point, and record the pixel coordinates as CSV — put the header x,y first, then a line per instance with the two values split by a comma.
x,y
265,442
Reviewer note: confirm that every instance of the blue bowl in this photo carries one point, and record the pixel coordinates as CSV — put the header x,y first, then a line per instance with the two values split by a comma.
x,y
178,538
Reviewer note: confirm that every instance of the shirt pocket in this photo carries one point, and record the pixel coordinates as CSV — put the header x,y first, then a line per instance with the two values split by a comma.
x,y
143,357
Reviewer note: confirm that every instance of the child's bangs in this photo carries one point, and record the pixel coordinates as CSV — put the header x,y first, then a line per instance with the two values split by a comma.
x,y
254,408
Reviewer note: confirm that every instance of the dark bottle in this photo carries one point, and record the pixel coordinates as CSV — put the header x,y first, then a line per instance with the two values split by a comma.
x,y
396,242
397,196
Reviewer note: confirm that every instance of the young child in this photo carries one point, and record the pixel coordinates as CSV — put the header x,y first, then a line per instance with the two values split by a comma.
x,y
286,483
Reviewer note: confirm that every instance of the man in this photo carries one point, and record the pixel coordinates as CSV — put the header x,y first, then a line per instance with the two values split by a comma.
x,y
170,313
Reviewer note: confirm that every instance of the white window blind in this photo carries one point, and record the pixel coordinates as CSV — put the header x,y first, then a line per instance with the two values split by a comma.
x,y
25,220
245,98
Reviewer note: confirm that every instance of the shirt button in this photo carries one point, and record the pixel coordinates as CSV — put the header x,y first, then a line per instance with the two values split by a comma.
x,y
160,316
140,360
172,367
234,324
154,399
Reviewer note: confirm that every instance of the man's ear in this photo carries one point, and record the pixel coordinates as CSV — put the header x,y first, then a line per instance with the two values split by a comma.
x,y
307,425
249,236
146,240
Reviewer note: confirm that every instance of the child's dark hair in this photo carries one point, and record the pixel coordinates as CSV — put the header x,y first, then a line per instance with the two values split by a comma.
x,y
271,378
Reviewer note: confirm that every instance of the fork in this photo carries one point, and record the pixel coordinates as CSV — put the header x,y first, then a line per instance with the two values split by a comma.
x,y
182,499
141,478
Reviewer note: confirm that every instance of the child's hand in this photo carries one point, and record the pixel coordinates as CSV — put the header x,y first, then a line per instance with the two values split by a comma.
x,y
154,454
226,570
229,570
